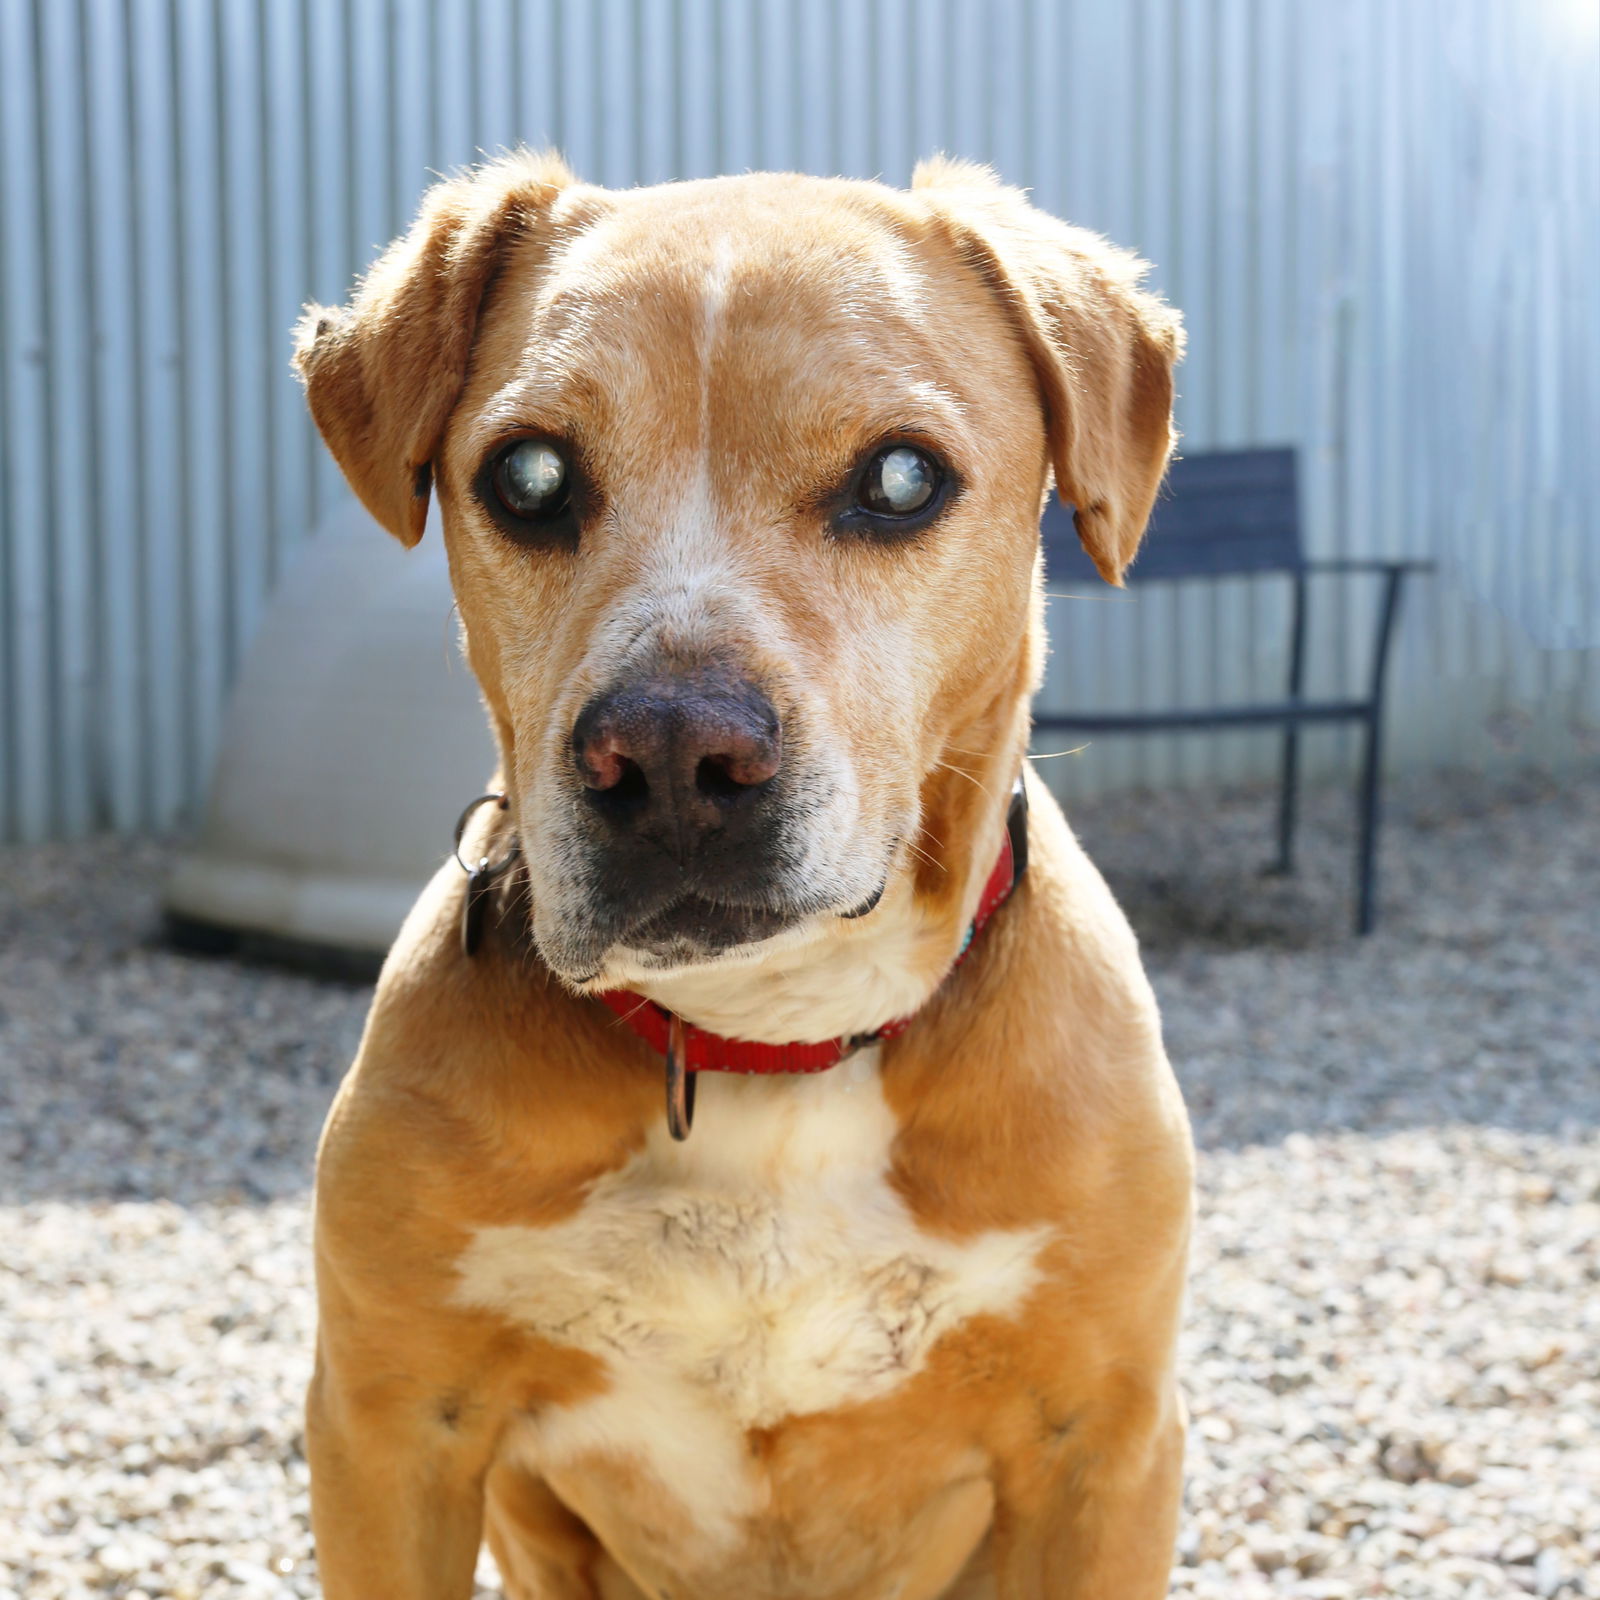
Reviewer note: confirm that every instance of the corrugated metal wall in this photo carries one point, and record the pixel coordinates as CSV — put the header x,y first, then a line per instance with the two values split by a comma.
x,y
1379,217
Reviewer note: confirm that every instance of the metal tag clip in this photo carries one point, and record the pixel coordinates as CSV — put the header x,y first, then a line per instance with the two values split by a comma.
x,y
680,1081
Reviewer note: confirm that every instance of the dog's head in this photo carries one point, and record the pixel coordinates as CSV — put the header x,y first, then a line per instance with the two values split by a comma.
x,y
741,484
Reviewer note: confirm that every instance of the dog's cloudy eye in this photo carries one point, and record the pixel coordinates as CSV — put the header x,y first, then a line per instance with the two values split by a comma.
x,y
899,482
530,480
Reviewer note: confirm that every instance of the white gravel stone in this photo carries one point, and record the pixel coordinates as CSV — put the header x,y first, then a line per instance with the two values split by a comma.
x,y
1393,1347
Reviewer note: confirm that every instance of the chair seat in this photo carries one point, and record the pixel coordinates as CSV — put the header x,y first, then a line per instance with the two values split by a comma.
x,y
1268,714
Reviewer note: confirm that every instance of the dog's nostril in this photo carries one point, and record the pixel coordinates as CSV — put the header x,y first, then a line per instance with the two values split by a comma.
x,y
627,794
726,777
601,762
631,783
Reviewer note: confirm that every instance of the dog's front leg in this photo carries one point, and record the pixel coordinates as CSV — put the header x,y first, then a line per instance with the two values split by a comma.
x,y
1093,1515
397,1477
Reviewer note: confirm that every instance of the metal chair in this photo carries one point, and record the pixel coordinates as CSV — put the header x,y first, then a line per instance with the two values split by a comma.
x,y
1236,514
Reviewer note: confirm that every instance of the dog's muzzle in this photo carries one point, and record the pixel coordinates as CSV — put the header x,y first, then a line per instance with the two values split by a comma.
x,y
683,808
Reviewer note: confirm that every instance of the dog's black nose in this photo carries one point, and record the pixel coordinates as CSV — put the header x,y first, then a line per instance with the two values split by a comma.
x,y
678,756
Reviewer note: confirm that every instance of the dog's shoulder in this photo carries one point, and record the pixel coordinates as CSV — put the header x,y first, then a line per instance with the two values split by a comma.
x,y
481,1087
1042,1074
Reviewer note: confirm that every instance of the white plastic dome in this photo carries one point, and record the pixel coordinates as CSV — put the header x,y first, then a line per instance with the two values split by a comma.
x,y
352,741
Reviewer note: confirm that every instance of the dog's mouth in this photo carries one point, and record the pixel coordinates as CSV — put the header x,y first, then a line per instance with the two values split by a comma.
x,y
630,924
695,929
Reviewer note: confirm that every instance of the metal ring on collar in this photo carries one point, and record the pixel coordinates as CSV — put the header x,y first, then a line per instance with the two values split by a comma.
x,y
504,803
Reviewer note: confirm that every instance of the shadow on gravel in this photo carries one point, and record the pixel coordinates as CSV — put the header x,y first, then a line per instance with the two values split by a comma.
x,y
1474,1002
134,1072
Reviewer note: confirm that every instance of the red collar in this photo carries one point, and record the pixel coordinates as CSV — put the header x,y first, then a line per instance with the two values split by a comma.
x,y
694,1049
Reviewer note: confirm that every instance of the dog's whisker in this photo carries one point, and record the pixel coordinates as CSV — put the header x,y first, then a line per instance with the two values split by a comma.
x,y
621,1017
976,783
1113,598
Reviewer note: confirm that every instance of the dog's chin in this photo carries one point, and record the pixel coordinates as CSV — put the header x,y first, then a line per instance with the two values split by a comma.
x,y
615,946
698,929
696,932
691,932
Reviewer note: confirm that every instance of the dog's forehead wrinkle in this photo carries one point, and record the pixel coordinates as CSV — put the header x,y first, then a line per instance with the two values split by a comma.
x,y
735,261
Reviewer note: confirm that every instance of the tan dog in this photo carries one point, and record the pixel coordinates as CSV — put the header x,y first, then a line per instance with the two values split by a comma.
x,y
741,483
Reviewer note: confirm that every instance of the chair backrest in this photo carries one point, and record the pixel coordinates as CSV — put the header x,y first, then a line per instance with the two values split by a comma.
x,y
1220,515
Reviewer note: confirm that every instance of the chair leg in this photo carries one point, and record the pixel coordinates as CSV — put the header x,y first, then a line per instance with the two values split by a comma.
x,y
1367,840
1288,800
1289,788
1372,767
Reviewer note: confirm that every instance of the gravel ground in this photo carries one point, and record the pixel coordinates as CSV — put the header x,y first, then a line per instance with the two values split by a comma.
x,y
1393,1352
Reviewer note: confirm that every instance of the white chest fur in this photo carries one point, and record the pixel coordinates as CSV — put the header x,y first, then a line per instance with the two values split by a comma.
x,y
764,1269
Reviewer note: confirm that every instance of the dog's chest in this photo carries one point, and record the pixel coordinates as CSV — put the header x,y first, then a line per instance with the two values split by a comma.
x,y
765,1269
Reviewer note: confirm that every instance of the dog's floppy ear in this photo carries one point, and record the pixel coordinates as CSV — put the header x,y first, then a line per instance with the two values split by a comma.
x,y
383,374
1103,349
